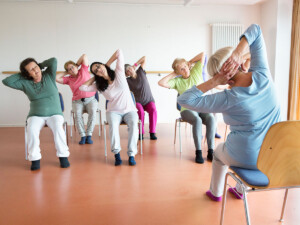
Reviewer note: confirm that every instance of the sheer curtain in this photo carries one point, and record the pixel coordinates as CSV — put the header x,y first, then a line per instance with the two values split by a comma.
x,y
294,85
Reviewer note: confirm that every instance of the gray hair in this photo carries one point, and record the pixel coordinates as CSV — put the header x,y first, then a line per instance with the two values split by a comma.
x,y
217,60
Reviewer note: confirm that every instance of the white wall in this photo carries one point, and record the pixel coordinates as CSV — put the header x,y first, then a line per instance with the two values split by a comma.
x,y
162,33
276,21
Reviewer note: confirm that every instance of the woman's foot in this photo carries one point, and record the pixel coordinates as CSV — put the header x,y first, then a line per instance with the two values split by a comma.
x,y
152,136
131,161
212,197
118,160
82,141
217,135
64,162
210,154
35,165
88,140
199,158
237,194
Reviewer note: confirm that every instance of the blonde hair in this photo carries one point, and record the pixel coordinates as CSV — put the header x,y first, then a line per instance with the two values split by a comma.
x,y
176,63
67,63
217,60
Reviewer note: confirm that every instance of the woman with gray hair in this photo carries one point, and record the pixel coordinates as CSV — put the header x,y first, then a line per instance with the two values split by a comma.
x,y
250,107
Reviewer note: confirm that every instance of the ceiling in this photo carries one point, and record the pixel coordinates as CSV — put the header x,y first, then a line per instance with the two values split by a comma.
x,y
153,2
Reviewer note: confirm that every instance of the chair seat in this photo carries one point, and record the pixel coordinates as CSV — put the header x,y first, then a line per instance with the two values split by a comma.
x,y
252,177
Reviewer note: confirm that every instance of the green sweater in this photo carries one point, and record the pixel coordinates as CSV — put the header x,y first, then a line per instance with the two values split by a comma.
x,y
43,96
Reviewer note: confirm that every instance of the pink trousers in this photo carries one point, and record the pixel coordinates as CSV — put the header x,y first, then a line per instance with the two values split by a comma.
x,y
151,109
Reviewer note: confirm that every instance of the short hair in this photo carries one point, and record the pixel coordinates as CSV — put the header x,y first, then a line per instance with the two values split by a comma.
x,y
217,60
69,62
126,67
101,83
177,62
23,70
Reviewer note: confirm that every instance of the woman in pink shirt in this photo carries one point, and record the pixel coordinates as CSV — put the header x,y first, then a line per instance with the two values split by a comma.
x,y
81,101
113,85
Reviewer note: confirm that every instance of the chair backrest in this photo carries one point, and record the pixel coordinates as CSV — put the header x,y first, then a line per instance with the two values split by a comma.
x,y
61,101
97,96
132,96
204,70
177,105
279,157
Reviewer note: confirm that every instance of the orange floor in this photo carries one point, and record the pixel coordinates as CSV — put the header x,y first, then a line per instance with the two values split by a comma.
x,y
165,187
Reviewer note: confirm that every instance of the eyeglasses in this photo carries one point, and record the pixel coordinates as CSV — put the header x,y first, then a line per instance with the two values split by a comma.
x,y
34,68
97,68
71,68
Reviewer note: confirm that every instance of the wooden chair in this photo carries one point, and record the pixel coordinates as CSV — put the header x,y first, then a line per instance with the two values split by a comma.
x,y
122,123
278,165
84,111
65,125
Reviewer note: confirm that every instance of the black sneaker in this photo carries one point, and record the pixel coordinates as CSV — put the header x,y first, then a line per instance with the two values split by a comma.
x,y
64,162
199,158
210,154
118,160
35,165
152,136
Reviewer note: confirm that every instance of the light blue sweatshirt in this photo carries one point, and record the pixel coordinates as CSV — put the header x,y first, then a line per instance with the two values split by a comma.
x,y
250,111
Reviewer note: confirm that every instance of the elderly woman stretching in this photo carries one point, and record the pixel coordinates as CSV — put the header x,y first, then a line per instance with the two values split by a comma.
x,y
250,107
40,88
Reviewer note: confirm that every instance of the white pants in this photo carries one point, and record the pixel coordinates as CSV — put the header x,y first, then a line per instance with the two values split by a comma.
x,y
114,120
34,126
220,164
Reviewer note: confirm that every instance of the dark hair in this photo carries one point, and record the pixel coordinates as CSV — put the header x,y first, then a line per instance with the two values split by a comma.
x,y
24,63
101,83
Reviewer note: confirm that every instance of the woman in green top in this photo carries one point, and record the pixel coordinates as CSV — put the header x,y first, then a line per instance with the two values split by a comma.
x,y
40,88
189,78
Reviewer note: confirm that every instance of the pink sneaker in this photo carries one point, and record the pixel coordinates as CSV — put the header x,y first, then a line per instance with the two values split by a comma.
x,y
237,194
212,197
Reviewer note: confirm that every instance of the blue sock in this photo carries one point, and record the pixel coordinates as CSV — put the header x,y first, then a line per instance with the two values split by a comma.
x,y
131,161
88,140
82,141
118,160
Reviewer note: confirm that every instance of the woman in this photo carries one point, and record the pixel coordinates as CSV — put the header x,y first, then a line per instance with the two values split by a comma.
x,y
40,88
250,107
183,83
138,84
81,101
120,107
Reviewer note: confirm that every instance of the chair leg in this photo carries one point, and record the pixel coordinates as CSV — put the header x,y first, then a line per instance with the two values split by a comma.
x,y
26,147
71,117
141,143
175,131
100,120
246,205
283,206
179,132
224,200
99,111
105,151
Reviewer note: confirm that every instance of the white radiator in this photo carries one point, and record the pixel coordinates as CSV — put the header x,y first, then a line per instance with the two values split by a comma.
x,y
225,34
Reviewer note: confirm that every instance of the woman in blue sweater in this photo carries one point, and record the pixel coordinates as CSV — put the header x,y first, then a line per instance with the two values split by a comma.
x,y
250,107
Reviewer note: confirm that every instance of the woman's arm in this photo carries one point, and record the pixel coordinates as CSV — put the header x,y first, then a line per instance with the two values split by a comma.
x,y
59,77
112,58
89,86
83,60
141,61
200,57
164,82
51,65
14,81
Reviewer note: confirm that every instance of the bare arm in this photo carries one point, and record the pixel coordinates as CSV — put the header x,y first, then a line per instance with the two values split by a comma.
x,y
164,81
89,82
200,57
83,60
141,61
112,59
59,77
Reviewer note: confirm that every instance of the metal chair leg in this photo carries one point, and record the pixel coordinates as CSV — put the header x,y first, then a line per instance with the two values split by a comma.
x,y
26,147
224,200
71,117
246,205
105,153
179,129
99,111
283,206
141,143
175,132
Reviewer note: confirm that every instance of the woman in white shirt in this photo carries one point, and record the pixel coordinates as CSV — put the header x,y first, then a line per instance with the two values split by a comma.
x,y
113,85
